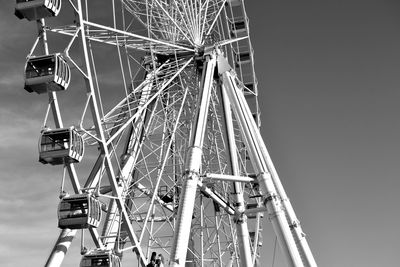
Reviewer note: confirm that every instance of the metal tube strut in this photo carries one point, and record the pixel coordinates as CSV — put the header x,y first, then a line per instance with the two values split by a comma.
x,y
256,148
60,248
192,167
240,219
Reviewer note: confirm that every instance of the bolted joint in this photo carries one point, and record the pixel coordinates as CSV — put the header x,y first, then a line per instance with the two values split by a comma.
x,y
148,60
191,175
239,207
42,29
63,194
206,57
204,54
294,225
271,197
209,51
240,218
84,250
238,204
119,180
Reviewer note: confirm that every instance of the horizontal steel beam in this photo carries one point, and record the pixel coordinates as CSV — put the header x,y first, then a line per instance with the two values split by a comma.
x,y
232,178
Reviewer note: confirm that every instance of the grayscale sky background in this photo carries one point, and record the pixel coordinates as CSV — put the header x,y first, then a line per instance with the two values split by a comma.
x,y
329,76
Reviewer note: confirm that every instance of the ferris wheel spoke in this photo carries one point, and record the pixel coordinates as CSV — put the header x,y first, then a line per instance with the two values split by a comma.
x,y
190,15
216,18
148,16
203,20
104,34
127,38
185,22
158,92
166,13
120,117
163,161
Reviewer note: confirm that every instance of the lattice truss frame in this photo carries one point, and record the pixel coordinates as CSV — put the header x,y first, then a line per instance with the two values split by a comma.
x,y
138,142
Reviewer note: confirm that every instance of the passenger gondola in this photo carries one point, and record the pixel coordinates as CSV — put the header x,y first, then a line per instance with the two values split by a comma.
x,y
243,57
47,73
97,258
37,9
79,211
61,146
238,27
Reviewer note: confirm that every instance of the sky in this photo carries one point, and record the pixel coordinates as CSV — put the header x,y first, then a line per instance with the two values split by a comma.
x,y
329,85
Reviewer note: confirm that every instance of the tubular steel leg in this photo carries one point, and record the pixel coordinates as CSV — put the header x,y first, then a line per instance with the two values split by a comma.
x,y
294,223
241,220
60,248
192,168
256,147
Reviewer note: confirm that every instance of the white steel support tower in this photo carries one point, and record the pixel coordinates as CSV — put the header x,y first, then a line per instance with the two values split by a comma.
x,y
162,97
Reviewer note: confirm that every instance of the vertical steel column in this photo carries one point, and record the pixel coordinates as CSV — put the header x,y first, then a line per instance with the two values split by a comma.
x,y
250,131
241,219
192,167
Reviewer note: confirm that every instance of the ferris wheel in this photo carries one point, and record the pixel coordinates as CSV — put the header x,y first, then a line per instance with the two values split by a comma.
x,y
162,157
